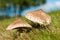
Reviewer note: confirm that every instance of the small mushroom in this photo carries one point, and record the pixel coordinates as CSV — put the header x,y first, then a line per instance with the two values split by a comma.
x,y
20,24
39,16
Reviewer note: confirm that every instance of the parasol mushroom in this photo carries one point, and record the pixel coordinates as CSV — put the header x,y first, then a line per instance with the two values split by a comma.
x,y
20,24
39,16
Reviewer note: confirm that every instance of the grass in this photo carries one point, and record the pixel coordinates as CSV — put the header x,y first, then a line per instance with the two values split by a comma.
x,y
34,34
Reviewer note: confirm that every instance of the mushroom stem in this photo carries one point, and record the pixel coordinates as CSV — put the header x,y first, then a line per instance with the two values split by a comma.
x,y
19,32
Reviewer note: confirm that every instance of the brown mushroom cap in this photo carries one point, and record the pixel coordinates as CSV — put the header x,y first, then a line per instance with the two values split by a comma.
x,y
45,16
18,24
38,16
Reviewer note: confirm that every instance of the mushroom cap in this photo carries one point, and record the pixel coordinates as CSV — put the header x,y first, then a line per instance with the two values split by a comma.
x,y
38,16
18,24
45,16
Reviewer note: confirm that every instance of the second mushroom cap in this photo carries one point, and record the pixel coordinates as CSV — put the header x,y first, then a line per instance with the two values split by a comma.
x,y
39,16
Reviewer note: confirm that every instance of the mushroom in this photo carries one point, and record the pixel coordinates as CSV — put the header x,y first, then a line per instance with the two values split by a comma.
x,y
39,16
20,24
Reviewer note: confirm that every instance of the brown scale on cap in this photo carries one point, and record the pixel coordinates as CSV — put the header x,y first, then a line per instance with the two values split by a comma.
x,y
39,16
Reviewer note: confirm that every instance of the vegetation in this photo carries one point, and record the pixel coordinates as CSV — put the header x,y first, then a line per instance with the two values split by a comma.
x,y
22,3
34,34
